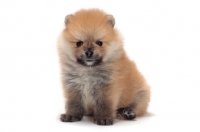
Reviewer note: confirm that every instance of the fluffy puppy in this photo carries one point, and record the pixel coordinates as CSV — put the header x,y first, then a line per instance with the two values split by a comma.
x,y
97,76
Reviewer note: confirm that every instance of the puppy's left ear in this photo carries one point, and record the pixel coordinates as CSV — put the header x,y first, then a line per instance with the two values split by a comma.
x,y
68,18
110,20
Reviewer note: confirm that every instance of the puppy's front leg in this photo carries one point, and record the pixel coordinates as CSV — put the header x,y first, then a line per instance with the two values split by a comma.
x,y
73,106
104,111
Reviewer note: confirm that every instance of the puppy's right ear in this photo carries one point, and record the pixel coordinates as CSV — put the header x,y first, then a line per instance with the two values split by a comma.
x,y
68,18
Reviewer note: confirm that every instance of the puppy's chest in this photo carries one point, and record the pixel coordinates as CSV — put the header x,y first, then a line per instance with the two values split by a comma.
x,y
88,81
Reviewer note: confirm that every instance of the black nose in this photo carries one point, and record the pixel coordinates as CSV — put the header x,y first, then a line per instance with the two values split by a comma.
x,y
89,53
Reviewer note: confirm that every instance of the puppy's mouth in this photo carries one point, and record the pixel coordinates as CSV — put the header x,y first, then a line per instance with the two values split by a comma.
x,y
89,62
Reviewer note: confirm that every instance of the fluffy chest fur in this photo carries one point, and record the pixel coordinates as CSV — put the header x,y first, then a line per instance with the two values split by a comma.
x,y
89,81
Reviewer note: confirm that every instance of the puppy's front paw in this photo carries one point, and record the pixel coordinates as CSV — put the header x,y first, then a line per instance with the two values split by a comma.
x,y
70,118
103,121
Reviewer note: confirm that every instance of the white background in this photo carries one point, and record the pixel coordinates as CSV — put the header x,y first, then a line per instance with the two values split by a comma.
x,y
161,36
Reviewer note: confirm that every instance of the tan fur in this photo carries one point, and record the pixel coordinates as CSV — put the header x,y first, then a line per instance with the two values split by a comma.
x,y
127,85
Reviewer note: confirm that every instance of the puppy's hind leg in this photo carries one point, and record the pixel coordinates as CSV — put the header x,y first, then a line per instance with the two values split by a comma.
x,y
141,102
137,108
126,113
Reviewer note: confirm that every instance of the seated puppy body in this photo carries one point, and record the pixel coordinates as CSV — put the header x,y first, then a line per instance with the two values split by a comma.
x,y
97,76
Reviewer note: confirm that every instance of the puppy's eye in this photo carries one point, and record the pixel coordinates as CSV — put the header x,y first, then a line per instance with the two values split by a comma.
x,y
79,43
99,43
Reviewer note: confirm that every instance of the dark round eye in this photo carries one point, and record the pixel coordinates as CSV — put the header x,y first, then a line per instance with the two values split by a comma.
x,y
99,43
79,43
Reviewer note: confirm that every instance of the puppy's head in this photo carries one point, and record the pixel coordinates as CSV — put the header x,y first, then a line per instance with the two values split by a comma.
x,y
90,37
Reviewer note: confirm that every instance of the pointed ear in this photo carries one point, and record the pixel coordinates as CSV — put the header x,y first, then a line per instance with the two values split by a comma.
x,y
67,18
110,20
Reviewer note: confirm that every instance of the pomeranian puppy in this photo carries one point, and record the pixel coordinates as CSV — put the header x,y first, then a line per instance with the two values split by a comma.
x,y
98,78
